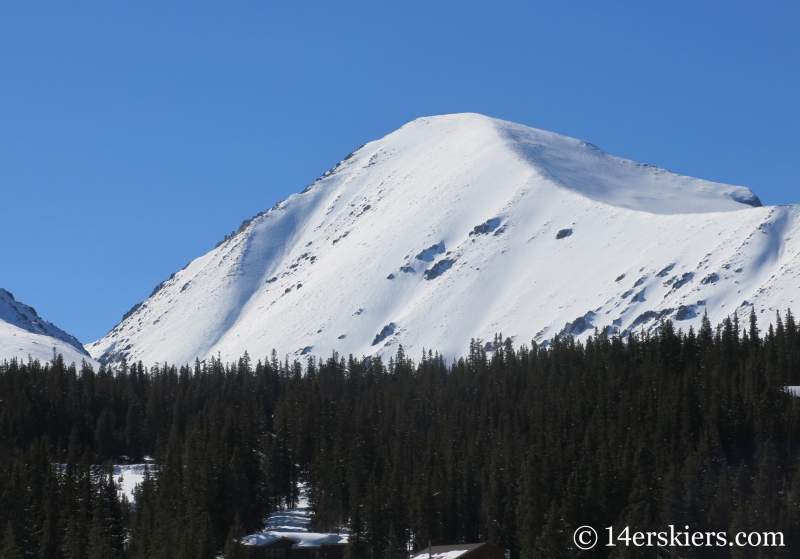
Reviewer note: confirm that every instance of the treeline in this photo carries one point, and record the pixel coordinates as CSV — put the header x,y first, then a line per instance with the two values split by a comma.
x,y
518,447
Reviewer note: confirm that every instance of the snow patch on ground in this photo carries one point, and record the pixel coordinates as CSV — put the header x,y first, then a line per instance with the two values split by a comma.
x,y
291,520
293,524
302,539
129,476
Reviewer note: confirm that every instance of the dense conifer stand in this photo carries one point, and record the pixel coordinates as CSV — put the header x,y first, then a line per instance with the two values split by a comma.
x,y
517,447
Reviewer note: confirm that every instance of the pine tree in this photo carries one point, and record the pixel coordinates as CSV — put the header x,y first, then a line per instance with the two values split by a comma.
x,y
99,545
234,549
9,548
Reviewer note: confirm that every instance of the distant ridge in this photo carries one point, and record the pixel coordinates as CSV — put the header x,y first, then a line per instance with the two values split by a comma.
x,y
24,334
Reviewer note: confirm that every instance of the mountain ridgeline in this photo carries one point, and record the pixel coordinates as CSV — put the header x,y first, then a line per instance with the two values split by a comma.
x,y
24,334
518,447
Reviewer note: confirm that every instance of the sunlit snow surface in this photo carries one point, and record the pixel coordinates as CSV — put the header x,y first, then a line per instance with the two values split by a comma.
x,y
461,226
293,524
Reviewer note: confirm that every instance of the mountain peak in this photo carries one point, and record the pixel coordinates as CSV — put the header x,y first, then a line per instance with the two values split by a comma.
x,y
457,227
587,170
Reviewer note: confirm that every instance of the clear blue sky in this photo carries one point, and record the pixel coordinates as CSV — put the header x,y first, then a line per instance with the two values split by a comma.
x,y
135,135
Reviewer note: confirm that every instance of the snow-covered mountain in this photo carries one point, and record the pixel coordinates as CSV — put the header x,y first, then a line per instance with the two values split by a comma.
x,y
461,226
24,334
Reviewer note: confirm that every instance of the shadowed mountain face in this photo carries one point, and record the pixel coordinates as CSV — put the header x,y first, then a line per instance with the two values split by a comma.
x,y
458,227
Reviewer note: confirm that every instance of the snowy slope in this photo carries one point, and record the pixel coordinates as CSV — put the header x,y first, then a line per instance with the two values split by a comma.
x,y
460,226
23,334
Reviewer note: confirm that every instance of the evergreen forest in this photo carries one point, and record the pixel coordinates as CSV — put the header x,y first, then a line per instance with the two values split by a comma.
x,y
517,446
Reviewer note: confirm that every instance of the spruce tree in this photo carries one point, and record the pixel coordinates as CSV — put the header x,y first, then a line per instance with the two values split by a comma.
x,y
9,548
234,549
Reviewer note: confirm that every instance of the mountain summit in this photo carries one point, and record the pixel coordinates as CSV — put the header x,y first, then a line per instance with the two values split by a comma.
x,y
461,226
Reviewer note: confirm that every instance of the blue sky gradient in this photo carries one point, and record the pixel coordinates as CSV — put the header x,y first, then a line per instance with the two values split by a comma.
x,y
134,136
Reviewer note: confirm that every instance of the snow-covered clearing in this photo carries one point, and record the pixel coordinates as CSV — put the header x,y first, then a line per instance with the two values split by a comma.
x,y
129,476
293,524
